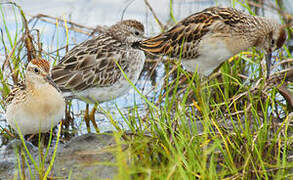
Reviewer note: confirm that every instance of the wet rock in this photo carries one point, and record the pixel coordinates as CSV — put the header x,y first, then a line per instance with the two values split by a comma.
x,y
90,156
6,169
84,157
17,144
9,156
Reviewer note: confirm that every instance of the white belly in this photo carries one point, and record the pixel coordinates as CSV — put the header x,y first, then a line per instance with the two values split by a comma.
x,y
102,94
212,52
37,113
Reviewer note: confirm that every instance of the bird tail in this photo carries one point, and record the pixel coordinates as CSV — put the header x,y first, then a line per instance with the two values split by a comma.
x,y
156,45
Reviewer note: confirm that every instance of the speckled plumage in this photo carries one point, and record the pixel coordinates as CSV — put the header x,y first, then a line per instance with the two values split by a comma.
x,y
34,103
206,39
89,71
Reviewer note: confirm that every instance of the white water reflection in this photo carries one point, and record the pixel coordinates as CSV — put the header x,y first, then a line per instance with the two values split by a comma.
x,y
107,12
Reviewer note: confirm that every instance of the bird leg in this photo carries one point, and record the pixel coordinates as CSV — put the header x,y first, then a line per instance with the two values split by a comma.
x,y
93,119
86,118
90,117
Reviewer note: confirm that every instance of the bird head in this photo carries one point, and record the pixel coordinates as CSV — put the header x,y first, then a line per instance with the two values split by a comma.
x,y
38,71
272,38
128,31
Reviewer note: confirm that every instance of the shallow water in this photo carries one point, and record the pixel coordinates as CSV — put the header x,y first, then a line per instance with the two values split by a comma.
x,y
107,12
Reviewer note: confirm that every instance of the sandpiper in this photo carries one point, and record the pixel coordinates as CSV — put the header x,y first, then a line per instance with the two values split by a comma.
x,y
35,104
90,72
206,39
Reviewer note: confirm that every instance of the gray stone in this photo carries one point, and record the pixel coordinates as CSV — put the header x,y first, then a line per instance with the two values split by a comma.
x,y
83,157
89,156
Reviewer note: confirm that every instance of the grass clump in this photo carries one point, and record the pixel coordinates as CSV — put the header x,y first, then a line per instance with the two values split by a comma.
x,y
217,135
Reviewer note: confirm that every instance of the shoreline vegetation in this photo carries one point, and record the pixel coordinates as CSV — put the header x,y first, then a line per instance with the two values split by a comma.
x,y
236,124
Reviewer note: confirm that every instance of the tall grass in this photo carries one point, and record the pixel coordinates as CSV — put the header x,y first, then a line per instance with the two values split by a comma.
x,y
234,127
213,140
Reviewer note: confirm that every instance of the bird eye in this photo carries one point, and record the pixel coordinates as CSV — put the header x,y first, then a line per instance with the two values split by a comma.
x,y
36,70
273,42
136,33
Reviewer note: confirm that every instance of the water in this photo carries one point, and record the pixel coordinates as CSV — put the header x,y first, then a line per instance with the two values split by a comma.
x,y
107,12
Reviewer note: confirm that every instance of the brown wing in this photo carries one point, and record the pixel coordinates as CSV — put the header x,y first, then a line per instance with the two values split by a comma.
x,y
16,90
184,37
90,64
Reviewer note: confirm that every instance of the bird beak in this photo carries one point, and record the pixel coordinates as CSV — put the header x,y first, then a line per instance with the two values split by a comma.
x,y
50,81
268,62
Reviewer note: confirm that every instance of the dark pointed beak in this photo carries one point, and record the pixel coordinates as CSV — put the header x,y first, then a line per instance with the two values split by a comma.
x,y
268,63
50,81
